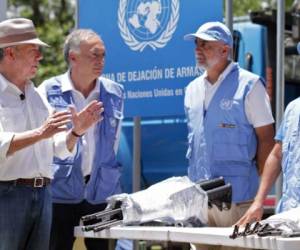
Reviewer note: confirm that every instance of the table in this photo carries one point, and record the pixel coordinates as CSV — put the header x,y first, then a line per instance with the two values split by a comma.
x,y
203,235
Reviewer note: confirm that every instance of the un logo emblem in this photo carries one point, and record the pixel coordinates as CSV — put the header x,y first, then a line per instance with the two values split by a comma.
x,y
145,23
226,104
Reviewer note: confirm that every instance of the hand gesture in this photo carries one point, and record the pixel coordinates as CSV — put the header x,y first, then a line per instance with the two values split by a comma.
x,y
90,115
55,123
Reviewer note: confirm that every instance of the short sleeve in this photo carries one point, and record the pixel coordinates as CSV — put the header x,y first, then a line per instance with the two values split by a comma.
x,y
257,106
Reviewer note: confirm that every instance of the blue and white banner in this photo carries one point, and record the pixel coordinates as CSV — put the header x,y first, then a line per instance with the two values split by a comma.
x,y
145,48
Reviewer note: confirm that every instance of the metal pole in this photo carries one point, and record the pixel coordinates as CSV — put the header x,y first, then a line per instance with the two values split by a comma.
x,y
280,78
136,164
229,15
136,168
3,8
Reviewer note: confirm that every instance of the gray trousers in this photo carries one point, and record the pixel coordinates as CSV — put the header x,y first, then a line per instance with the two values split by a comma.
x,y
225,218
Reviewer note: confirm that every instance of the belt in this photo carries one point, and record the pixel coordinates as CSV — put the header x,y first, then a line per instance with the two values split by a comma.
x,y
36,182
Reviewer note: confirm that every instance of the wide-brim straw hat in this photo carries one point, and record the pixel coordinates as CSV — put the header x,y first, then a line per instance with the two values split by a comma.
x,y
17,31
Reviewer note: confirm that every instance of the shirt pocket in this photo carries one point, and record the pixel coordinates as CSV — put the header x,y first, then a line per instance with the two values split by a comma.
x,y
13,119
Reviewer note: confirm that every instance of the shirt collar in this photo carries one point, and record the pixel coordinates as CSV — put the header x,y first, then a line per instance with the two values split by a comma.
x,y
69,86
4,84
67,82
226,71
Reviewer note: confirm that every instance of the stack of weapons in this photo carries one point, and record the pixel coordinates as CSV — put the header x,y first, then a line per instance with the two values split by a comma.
x,y
218,193
261,230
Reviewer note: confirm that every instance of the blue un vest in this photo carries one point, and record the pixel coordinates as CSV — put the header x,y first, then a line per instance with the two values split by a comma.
x,y
221,140
68,185
290,158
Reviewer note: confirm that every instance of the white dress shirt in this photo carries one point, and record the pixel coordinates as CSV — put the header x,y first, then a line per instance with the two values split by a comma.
x,y
18,115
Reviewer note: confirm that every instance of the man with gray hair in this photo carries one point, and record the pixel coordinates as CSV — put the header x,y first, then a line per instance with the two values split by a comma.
x,y
82,183
29,138
230,122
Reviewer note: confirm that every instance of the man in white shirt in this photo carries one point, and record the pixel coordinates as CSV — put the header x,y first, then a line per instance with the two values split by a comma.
x,y
229,120
29,138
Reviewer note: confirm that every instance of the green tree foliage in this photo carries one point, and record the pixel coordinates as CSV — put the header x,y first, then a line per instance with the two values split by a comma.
x,y
242,7
54,19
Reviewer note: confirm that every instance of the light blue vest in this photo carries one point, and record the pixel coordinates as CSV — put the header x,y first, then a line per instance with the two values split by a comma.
x,y
290,157
221,140
68,185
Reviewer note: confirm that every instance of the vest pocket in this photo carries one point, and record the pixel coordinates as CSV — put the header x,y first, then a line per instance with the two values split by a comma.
x,y
106,183
230,144
61,171
65,185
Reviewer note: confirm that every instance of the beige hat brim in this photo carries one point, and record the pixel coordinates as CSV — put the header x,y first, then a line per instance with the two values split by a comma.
x,y
31,41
